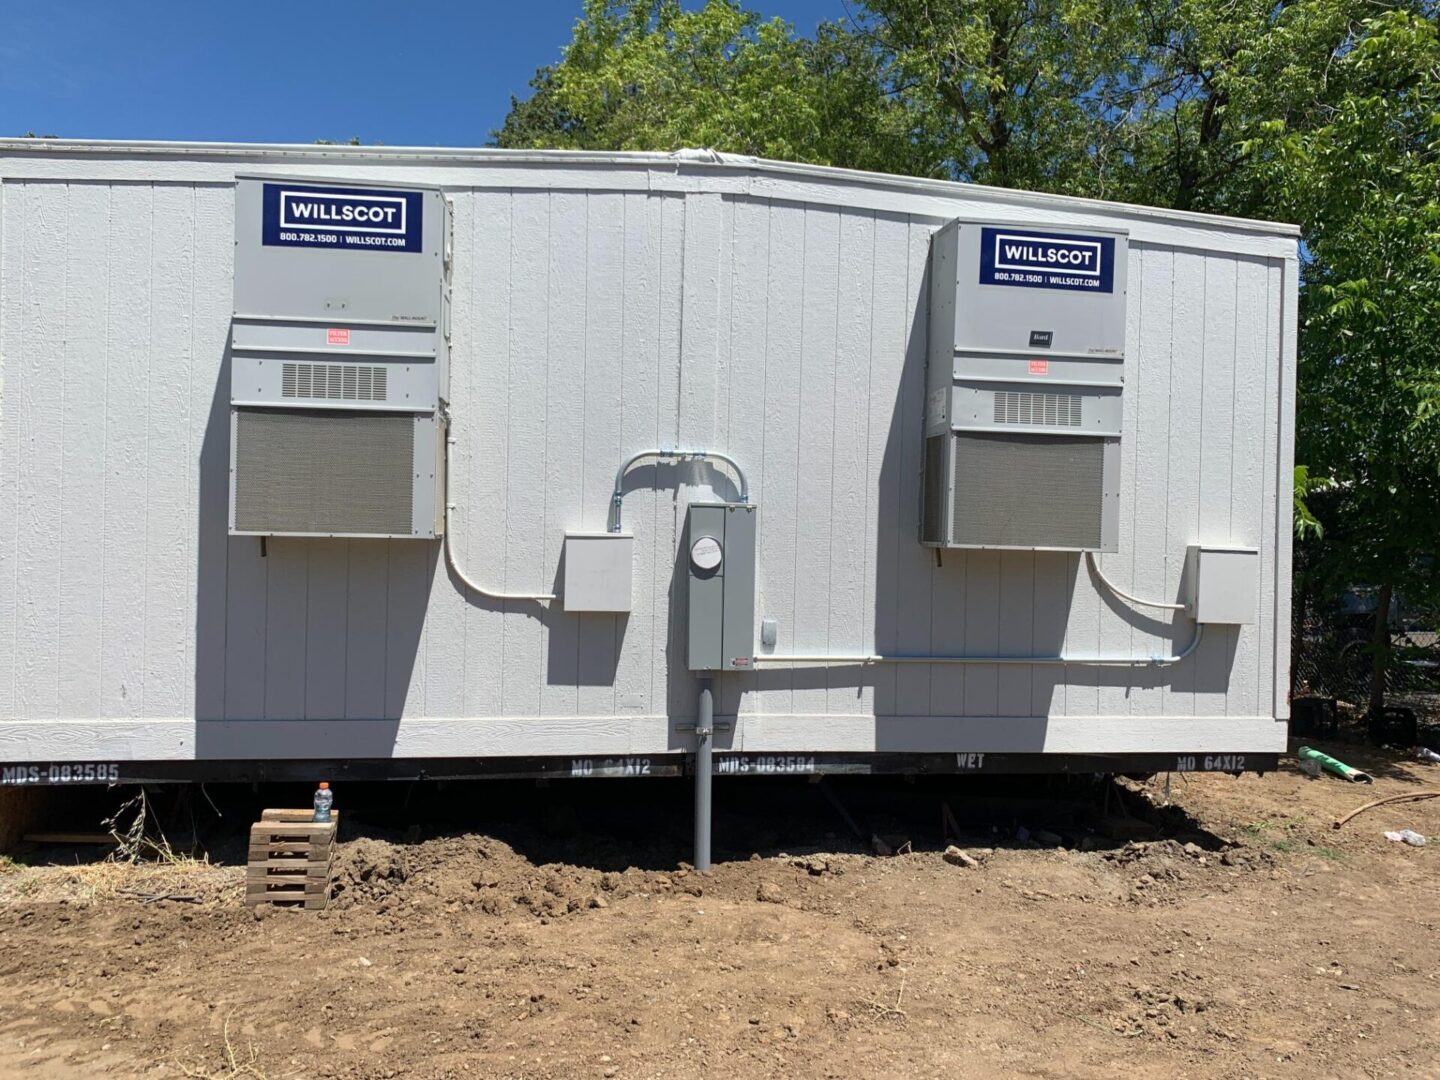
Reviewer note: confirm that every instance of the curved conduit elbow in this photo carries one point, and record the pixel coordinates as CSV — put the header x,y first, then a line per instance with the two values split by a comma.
x,y
1089,661
618,495
454,563
1095,569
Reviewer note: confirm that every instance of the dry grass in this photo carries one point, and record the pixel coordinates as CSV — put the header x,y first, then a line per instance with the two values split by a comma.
x,y
882,1010
232,1068
90,883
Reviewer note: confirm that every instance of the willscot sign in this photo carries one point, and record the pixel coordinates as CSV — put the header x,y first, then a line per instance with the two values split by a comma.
x,y
1047,260
355,219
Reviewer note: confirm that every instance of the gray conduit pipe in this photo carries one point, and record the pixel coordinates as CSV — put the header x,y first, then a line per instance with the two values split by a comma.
x,y
704,774
618,495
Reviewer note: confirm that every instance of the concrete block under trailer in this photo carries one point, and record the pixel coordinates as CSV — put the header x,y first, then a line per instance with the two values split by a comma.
x,y
910,471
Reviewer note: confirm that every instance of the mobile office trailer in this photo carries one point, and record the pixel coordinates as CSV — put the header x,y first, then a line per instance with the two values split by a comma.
x,y
395,462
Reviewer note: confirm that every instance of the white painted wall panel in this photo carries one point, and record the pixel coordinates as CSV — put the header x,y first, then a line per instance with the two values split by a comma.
x,y
887,529
12,344
590,322
525,498
80,584
1143,569
169,529
37,392
812,551
849,624
207,458
778,489
640,390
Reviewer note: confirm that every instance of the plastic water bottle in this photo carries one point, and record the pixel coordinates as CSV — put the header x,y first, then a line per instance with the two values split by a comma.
x,y
324,799
1424,753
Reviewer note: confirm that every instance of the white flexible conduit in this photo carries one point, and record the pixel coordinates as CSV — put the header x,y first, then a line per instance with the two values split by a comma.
x,y
465,578
1095,569
1088,661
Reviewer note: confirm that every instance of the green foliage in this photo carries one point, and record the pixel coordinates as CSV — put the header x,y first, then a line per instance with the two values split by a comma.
x,y
1306,523
1026,93
654,76
1363,181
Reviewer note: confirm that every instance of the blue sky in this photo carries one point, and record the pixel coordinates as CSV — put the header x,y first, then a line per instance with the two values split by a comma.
x,y
424,73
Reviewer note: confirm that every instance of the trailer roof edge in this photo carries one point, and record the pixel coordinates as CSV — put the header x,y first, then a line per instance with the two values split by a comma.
x,y
688,159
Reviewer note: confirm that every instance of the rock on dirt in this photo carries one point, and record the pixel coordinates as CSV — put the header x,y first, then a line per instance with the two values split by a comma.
x,y
956,857
769,893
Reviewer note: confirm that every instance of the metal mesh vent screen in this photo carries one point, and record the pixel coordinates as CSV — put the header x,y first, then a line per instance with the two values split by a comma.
x,y
314,471
932,523
1028,490
340,382
1037,410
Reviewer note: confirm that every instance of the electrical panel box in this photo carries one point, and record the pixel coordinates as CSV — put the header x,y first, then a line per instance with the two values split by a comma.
x,y
598,569
1222,584
719,559
339,359
1024,387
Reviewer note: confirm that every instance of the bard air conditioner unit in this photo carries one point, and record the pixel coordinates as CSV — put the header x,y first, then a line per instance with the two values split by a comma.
x,y
1024,388
339,360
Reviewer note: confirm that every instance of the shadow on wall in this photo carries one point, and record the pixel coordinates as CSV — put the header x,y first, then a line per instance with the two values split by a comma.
x,y
977,602
585,648
319,631
328,631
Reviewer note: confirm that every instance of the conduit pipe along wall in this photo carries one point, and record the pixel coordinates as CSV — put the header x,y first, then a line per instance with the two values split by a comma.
x,y
1089,661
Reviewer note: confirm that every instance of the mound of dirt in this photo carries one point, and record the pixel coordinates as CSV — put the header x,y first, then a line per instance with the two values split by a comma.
x,y
480,872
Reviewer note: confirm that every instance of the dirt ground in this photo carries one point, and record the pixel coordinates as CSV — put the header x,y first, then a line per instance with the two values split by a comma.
x,y
1270,946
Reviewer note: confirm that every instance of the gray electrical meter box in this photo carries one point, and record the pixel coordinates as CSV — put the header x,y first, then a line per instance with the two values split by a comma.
x,y
339,359
1024,387
719,559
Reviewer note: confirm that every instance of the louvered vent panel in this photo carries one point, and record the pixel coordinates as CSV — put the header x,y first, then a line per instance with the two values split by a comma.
x,y
1017,490
1029,409
334,382
324,471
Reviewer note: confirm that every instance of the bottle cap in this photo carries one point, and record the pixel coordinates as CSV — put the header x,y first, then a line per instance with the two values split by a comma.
x,y
324,786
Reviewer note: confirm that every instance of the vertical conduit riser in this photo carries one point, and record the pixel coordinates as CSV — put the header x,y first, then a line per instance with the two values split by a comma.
x,y
704,730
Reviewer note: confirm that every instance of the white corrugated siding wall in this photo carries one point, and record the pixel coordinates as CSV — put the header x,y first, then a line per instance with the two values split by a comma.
x,y
587,325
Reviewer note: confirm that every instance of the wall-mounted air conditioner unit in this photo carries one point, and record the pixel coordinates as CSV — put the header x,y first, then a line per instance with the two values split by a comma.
x,y
1024,386
339,360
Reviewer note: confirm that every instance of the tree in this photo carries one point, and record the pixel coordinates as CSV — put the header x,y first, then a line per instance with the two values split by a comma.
x,y
1018,93
652,76
1364,183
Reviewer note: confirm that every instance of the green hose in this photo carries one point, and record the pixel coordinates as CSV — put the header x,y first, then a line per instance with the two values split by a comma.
x,y
1339,768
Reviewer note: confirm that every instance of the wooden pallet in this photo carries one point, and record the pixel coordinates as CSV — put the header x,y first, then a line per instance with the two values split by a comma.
x,y
290,860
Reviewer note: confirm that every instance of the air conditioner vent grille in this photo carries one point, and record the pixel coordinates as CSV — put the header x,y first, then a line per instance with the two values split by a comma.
x,y
333,382
1028,490
324,471
1029,409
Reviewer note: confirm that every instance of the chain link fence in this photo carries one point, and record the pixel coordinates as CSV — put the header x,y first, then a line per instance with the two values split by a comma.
x,y
1331,657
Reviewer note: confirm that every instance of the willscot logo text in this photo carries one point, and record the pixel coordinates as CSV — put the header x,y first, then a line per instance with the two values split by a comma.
x,y
299,215
1046,260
